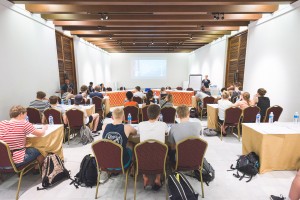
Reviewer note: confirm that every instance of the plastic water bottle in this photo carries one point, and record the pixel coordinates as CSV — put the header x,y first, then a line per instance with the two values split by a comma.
x,y
91,101
62,102
27,118
161,118
129,118
296,117
69,101
271,117
155,100
257,118
51,120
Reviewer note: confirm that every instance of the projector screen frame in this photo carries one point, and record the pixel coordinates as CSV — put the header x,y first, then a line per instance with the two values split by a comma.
x,y
194,86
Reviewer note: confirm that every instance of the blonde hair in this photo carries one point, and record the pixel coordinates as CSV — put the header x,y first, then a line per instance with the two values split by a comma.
x,y
246,97
182,111
170,98
225,95
15,111
118,113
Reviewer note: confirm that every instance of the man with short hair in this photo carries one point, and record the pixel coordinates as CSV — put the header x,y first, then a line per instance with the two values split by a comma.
x,y
152,129
53,104
138,93
68,95
206,82
91,88
41,102
130,102
97,92
65,86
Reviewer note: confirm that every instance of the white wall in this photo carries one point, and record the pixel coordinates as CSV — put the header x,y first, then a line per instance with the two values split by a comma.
x,y
92,63
273,59
28,58
177,69
210,60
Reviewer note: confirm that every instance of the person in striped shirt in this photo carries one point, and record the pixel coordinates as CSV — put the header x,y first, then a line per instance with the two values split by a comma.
x,y
41,103
14,131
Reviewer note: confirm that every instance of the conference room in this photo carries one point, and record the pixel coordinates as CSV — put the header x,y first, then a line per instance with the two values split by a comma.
x,y
155,44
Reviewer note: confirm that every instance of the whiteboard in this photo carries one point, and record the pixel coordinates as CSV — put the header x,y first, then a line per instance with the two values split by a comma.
x,y
195,81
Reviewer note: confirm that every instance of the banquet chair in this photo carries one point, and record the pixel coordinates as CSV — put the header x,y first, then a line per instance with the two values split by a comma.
x,y
169,114
189,156
7,165
98,106
179,88
56,114
34,115
249,114
203,108
277,110
75,120
232,119
111,162
151,156
134,112
139,100
144,114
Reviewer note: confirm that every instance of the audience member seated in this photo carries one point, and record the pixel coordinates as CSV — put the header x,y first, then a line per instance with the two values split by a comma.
x,y
14,132
261,101
138,93
122,88
54,104
223,89
168,88
91,88
103,89
167,101
130,102
149,98
41,103
68,95
200,96
88,119
152,129
119,133
244,102
97,92
223,103
163,92
66,85
182,130
236,93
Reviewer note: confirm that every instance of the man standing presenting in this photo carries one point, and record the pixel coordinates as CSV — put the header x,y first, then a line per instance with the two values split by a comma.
x,y
206,82
65,86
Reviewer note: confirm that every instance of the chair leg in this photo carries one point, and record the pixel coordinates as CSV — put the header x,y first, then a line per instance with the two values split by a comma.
x,y
201,183
167,197
98,181
126,182
19,184
222,132
135,178
239,136
69,136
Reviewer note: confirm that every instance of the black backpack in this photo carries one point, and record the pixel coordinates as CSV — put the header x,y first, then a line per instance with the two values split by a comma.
x,y
248,165
87,175
208,173
193,113
53,171
179,188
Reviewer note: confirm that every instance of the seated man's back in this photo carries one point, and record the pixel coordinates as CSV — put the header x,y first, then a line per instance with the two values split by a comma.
x,y
40,103
97,92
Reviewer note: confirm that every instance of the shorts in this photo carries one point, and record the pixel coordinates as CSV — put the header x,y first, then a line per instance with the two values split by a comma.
x,y
30,155
89,119
220,121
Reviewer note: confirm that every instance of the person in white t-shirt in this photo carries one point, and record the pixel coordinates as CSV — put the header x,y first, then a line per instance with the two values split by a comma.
x,y
152,129
223,103
138,93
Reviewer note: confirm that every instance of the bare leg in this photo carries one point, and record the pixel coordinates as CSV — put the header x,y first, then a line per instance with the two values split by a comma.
x,y
295,188
157,179
95,121
146,180
40,160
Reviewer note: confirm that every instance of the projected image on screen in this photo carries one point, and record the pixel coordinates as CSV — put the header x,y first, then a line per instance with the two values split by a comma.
x,y
149,68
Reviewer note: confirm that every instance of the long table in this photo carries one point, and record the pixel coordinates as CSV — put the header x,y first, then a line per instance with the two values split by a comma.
x,y
277,144
51,142
180,97
212,116
116,98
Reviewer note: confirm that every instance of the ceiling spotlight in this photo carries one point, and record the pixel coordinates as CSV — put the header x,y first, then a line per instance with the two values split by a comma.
x,y
99,28
110,37
167,42
133,43
191,37
152,42
106,17
202,27
222,16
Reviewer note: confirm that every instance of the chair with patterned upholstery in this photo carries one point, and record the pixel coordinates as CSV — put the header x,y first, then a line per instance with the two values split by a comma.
x,y
203,108
34,115
190,153
7,165
134,112
75,120
111,162
277,110
151,156
169,114
232,119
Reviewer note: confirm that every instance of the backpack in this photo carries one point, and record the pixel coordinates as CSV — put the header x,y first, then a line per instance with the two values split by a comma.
x,y
193,113
179,188
209,132
86,135
248,165
88,174
53,171
208,173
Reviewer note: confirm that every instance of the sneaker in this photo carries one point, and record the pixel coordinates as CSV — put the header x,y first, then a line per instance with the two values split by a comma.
x,y
104,177
273,197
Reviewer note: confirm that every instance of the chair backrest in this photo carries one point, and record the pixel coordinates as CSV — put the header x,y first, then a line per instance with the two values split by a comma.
x,y
208,100
249,114
144,114
277,110
75,118
151,157
189,89
109,89
179,88
56,114
232,115
169,114
108,154
98,103
134,112
190,153
34,115
139,100
5,157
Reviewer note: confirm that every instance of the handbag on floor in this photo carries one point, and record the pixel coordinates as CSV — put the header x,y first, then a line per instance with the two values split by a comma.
x,y
208,173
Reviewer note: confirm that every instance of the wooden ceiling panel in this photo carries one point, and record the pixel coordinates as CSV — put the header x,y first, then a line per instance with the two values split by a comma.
x,y
151,25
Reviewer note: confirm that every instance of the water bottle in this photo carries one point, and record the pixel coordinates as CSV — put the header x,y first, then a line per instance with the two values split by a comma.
x,y
161,118
271,117
91,101
27,118
51,120
129,118
296,117
69,101
257,118
155,100
62,102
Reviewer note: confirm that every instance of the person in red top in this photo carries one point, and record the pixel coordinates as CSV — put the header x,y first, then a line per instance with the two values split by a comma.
x,y
14,132
130,102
